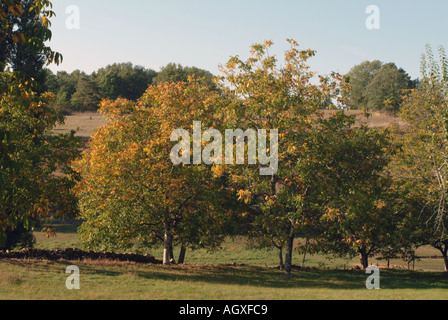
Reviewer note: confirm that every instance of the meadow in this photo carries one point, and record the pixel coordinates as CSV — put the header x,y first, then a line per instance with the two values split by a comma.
x,y
235,272
85,123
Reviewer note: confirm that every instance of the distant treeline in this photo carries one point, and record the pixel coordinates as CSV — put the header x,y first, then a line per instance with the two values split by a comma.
x,y
78,91
375,85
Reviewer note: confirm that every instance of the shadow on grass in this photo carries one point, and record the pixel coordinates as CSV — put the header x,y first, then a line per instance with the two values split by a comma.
x,y
252,276
274,278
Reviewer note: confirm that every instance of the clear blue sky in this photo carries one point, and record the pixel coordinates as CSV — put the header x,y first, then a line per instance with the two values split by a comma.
x,y
205,33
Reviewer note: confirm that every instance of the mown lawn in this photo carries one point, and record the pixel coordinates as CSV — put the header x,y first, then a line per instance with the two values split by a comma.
x,y
235,272
46,280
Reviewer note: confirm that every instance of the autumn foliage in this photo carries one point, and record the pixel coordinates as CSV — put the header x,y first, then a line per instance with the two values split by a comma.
x,y
131,192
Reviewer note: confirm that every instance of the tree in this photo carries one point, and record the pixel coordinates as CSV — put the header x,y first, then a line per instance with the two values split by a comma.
x,y
360,76
51,81
64,86
23,58
86,97
422,165
29,154
30,190
175,72
307,188
123,80
377,86
131,191
360,215
268,97
24,37
385,90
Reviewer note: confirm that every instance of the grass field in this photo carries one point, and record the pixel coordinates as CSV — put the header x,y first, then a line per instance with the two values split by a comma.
x,y
46,280
85,123
235,272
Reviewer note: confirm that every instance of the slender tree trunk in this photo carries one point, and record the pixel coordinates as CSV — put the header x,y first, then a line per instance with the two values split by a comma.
x,y
167,245
280,258
289,247
364,258
181,259
288,255
172,260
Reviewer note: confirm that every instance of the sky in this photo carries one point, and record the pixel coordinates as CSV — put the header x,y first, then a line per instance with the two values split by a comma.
x,y
91,34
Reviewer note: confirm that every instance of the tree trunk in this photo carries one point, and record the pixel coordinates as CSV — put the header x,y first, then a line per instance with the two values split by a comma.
x,y
280,258
288,255
443,248
182,255
445,259
444,252
364,258
167,245
172,260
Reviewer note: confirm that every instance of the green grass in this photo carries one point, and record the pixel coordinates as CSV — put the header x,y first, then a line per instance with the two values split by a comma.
x,y
66,237
208,275
46,280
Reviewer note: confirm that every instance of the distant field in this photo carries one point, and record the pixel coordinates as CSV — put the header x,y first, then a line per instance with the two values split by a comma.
x,y
375,119
85,123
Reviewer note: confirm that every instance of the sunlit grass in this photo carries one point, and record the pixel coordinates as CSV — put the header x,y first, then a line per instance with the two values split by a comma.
x,y
46,280
234,272
84,123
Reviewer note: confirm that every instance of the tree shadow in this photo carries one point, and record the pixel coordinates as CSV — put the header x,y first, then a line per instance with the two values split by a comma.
x,y
328,279
263,277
